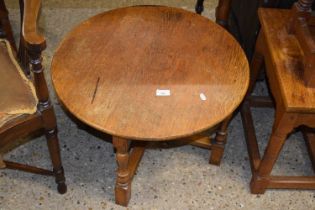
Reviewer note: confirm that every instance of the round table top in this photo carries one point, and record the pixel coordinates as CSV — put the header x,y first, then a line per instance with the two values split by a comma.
x,y
111,69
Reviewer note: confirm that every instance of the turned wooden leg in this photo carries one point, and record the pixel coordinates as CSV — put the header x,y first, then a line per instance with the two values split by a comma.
x,y
123,180
199,7
54,151
283,125
222,13
48,117
218,143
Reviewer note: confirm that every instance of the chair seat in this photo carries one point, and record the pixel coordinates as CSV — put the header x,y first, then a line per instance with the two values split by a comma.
x,y
286,59
17,93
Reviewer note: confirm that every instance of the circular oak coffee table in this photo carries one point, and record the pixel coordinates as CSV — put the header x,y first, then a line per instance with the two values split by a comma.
x,y
148,73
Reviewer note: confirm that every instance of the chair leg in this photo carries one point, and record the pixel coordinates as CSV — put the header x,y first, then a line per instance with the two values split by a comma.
x,y
54,151
283,125
48,117
199,7
123,180
218,143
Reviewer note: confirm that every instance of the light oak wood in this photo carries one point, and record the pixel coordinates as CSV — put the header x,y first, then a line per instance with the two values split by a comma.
x,y
296,96
106,72
152,48
203,142
29,31
282,54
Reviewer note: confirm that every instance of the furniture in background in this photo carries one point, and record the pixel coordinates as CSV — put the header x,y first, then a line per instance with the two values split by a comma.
x,y
24,101
222,11
160,78
286,46
5,26
217,144
243,19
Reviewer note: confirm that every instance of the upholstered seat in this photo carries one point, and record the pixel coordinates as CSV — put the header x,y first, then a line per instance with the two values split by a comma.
x,y
21,112
17,93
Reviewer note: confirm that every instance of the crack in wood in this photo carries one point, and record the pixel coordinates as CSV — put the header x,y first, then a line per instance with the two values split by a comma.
x,y
95,90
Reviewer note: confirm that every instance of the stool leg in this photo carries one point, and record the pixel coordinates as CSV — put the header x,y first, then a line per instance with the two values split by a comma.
x,y
123,180
256,63
218,144
283,125
309,137
54,151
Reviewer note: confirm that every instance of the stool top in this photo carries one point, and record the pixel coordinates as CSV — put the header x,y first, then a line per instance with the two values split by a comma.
x,y
286,56
108,69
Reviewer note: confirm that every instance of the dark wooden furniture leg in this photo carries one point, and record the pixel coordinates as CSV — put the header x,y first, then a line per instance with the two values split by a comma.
x,y
22,51
53,145
222,12
127,165
218,143
5,25
49,119
199,7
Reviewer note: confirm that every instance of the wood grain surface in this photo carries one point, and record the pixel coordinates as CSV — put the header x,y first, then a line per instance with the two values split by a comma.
x,y
287,62
107,69
30,33
279,49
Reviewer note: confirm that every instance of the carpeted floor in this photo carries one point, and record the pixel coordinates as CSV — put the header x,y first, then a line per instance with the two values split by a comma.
x,y
174,178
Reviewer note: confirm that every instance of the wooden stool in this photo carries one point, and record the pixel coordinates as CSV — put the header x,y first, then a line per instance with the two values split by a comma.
x,y
159,78
284,56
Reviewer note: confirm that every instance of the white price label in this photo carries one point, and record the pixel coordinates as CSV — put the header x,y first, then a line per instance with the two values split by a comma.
x,y
203,97
163,92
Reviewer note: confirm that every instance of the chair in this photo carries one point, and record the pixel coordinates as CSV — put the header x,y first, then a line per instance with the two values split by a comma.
x,y
24,100
222,11
286,46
